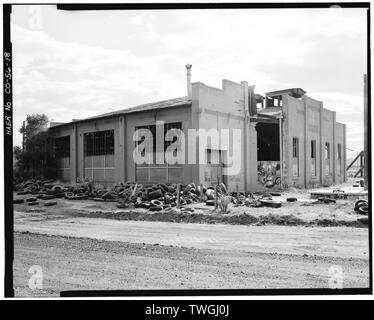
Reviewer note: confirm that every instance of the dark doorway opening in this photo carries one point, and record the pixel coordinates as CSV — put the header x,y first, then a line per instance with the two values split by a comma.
x,y
268,142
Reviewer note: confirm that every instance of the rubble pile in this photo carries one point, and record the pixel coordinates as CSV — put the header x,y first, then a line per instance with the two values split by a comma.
x,y
153,197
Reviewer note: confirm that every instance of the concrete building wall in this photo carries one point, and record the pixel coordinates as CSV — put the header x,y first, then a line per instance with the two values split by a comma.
x,y
225,109
327,137
213,108
122,159
294,117
312,133
340,139
307,120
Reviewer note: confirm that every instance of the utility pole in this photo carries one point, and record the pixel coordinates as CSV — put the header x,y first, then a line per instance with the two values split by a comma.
x,y
366,132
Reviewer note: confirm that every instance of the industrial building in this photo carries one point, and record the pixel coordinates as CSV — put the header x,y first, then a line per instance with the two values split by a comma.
x,y
287,139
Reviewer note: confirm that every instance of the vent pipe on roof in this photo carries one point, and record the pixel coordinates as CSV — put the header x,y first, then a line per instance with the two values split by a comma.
x,y
189,86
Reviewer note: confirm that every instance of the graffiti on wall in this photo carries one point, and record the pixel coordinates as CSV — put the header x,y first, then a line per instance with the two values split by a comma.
x,y
269,173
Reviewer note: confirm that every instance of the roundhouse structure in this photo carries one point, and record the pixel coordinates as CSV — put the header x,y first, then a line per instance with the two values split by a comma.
x,y
286,139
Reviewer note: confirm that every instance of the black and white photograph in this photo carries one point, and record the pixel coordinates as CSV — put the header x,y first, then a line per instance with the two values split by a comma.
x,y
191,149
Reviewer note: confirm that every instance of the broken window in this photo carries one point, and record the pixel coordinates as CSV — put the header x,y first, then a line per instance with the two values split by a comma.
x,y
327,158
313,155
295,157
99,143
62,147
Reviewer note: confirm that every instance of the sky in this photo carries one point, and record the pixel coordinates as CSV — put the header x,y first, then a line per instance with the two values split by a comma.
x,y
72,65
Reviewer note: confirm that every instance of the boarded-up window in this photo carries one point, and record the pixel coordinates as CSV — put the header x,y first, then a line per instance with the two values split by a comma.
x,y
62,147
295,157
313,155
99,143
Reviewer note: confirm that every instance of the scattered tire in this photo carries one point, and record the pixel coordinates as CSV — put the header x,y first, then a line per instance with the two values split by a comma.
x,y
156,203
34,203
210,202
271,203
47,196
31,199
155,208
122,205
50,203
363,220
155,194
291,199
18,201
256,204
326,200
359,202
275,194
364,210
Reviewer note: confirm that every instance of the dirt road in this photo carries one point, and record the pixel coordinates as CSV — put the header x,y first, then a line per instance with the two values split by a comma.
x,y
84,264
156,255
325,241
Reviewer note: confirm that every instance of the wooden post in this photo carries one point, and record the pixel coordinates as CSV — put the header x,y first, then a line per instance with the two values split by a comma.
x,y
366,132
134,190
178,195
201,193
216,197
237,194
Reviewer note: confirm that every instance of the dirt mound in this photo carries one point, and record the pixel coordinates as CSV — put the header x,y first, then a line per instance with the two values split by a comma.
x,y
240,219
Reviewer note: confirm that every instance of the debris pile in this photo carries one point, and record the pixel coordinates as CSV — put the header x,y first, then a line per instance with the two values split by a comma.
x,y
154,197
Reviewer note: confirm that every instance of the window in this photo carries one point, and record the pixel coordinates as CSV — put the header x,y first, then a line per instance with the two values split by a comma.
x,y
295,157
159,172
152,129
167,127
62,147
327,158
99,143
313,157
208,156
339,155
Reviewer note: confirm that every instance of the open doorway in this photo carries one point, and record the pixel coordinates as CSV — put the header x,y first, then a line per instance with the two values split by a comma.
x,y
267,141
268,154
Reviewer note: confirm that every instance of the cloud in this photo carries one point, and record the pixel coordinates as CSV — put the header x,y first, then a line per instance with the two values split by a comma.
x,y
83,80
86,63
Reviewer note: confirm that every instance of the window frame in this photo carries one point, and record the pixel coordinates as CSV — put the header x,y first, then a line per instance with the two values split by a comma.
x,y
99,143
295,155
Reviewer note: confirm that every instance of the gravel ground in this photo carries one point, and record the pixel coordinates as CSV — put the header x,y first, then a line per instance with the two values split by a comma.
x,y
70,263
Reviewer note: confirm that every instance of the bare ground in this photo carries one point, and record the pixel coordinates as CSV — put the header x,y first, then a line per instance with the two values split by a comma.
x,y
303,212
94,245
71,263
